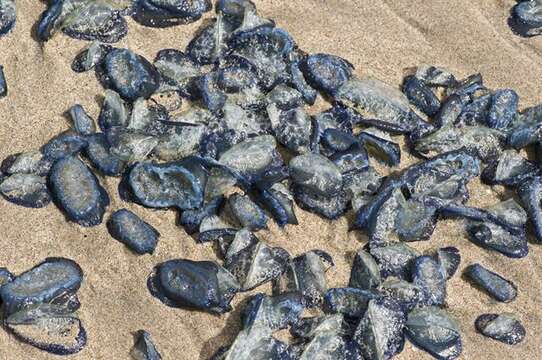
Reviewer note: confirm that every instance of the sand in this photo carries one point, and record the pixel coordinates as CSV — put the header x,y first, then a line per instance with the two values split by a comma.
x,y
381,38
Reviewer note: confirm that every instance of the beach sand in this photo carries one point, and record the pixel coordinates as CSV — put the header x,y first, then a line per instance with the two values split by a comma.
x,y
382,38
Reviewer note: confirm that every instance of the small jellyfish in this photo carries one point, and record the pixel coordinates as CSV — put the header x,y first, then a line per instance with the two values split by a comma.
x,y
434,331
165,185
530,193
256,264
129,229
52,279
375,99
316,173
68,143
56,334
306,274
77,191
113,112
90,57
380,331
526,18
449,259
350,302
428,276
326,72
509,169
274,312
495,285
246,212
3,83
421,95
144,348
199,285
129,74
99,153
83,124
160,13
505,328
27,190
8,16
365,273
395,260
503,109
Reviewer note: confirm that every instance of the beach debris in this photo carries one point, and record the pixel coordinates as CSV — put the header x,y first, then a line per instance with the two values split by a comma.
x,y
144,348
40,306
495,285
501,327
